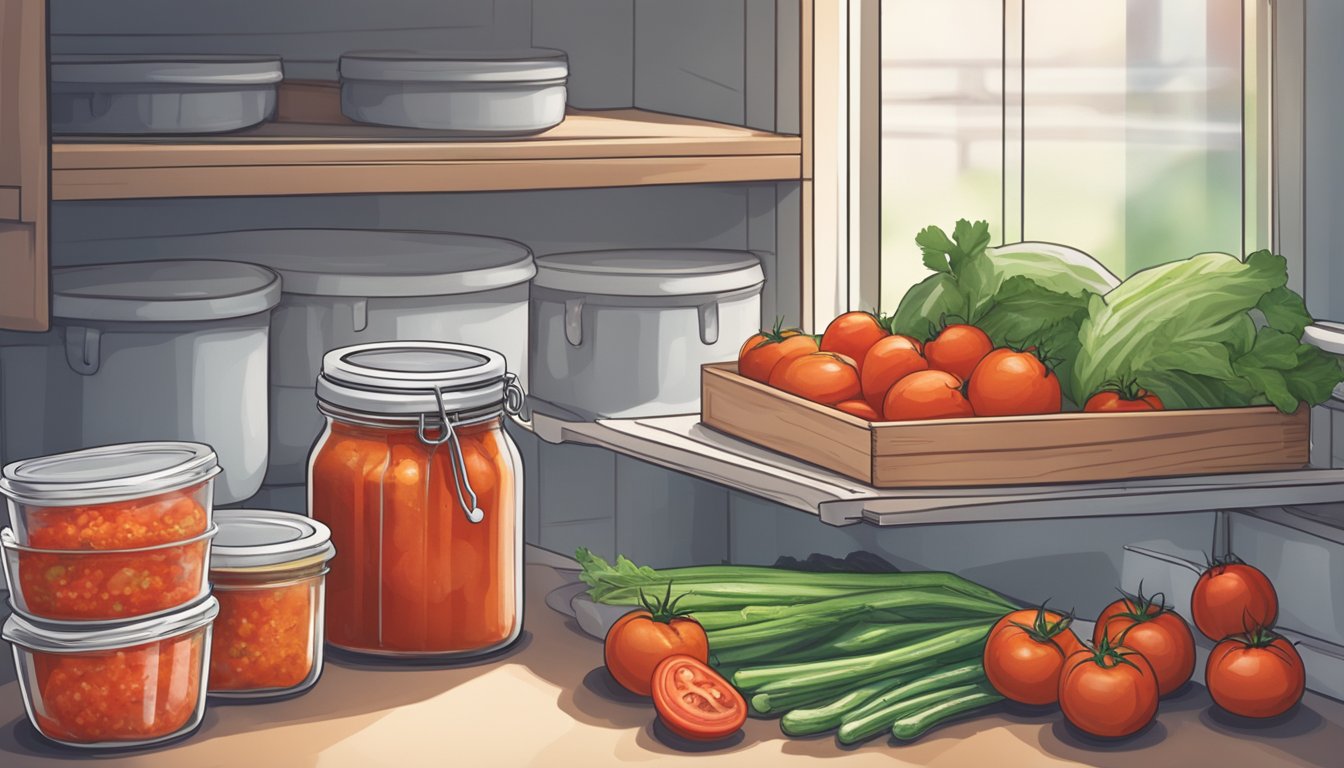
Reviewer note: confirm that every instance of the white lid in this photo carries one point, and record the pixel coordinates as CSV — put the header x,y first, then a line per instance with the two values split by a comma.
x,y
162,291
401,377
368,263
650,272
502,66
257,538
108,473
35,635
193,69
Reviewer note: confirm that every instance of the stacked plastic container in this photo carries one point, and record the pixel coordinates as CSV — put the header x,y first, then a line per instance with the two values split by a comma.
x,y
125,616
106,565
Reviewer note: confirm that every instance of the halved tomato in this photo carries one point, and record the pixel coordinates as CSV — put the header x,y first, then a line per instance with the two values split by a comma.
x,y
694,702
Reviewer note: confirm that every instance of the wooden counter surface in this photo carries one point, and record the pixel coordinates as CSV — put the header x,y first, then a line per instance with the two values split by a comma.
x,y
547,702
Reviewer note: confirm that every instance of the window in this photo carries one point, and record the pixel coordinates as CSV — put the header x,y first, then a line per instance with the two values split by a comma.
x,y
1131,129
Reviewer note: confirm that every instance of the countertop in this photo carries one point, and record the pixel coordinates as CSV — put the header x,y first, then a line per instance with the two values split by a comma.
x,y
549,702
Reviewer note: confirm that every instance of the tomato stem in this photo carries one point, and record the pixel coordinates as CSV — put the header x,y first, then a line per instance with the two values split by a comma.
x,y
663,610
1042,629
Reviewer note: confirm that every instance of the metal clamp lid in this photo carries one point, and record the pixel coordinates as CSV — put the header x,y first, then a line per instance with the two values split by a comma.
x,y
513,405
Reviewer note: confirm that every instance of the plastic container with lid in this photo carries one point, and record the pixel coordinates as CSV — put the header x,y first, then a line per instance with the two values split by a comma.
x,y
155,350
102,585
154,93
268,570
113,497
422,490
122,685
501,92
623,333
353,286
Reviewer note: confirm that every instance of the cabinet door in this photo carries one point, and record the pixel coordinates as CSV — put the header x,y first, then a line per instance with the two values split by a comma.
x,y
24,149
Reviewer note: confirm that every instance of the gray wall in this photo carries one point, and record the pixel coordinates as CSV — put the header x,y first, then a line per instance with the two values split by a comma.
x,y
613,504
714,59
1325,158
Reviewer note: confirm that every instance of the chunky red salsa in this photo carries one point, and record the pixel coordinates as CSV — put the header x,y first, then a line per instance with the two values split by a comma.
x,y
173,516
110,585
145,692
265,636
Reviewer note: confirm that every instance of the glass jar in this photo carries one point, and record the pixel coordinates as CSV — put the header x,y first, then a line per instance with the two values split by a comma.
x,y
125,685
268,570
422,490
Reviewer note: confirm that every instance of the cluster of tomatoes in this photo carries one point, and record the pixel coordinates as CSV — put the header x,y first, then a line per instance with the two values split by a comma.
x,y
660,653
1142,651
858,366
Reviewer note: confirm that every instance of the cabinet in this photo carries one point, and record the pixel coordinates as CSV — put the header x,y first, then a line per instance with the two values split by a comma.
x,y
23,165
646,111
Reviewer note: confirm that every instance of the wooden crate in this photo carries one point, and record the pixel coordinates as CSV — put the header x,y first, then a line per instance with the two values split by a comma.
x,y
1063,447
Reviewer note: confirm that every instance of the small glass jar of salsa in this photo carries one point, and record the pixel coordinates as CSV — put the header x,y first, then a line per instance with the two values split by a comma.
x,y
127,496
268,570
105,585
124,685
422,490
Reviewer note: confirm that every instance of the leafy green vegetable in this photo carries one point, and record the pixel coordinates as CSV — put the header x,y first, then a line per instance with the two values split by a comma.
x,y
1185,331
1023,294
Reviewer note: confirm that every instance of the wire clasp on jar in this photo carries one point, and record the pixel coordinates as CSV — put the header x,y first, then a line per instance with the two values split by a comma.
x,y
460,480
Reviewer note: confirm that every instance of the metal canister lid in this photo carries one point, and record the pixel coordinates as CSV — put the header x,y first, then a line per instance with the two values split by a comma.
x,y
108,473
526,65
414,377
266,540
38,636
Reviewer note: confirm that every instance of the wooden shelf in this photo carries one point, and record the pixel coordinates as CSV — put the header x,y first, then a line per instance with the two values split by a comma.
x,y
683,444
312,149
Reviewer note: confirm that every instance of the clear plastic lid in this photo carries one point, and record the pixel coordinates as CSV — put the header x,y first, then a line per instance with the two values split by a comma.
x,y
108,473
650,272
38,636
264,540
496,66
414,377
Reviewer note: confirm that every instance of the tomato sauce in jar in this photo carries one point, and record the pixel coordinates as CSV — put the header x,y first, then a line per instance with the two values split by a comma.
x,y
269,573
127,685
421,488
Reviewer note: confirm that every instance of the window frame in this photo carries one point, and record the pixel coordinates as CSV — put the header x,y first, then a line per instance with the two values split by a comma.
x,y
842,146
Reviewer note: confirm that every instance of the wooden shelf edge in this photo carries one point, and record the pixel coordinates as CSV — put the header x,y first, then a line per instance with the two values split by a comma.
x,y
422,177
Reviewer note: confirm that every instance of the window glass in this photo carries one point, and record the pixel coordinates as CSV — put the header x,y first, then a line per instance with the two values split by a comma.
x,y
1131,126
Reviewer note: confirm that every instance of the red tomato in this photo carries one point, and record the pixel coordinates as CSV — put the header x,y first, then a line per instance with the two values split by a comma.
x,y
926,395
957,349
1259,674
860,409
1010,383
640,640
1025,652
1128,397
852,334
888,361
694,702
761,353
1108,692
1154,630
822,377
1232,597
